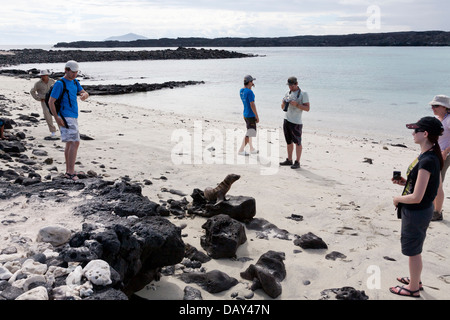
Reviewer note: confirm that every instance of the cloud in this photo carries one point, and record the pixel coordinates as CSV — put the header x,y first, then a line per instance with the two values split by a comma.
x,y
49,21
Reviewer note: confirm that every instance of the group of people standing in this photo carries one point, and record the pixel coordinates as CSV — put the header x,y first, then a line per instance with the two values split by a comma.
x,y
295,101
422,198
66,90
420,202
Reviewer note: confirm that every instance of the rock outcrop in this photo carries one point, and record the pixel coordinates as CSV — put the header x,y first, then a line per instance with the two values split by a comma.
x,y
267,273
223,236
58,56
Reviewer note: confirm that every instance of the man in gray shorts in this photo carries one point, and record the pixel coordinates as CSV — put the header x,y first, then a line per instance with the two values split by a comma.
x,y
67,118
294,103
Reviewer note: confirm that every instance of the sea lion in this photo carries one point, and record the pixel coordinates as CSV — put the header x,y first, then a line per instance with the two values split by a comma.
x,y
218,193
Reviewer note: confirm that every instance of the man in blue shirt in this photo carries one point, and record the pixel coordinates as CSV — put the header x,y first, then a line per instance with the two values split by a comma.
x,y
250,114
67,118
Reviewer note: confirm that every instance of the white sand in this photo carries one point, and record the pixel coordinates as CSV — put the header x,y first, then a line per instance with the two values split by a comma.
x,y
343,199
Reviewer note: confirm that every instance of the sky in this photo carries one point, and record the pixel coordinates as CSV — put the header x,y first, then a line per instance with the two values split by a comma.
x,y
52,21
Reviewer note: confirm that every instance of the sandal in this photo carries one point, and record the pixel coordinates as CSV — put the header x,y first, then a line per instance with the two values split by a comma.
x,y
409,293
73,177
405,280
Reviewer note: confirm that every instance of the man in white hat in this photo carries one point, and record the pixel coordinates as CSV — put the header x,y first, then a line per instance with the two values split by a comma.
x,y
441,109
67,118
38,92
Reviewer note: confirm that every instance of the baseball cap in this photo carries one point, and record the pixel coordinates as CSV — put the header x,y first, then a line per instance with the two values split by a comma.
x,y
432,125
292,80
72,65
248,78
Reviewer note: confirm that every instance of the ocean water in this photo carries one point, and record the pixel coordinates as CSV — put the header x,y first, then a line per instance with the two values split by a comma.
x,y
363,91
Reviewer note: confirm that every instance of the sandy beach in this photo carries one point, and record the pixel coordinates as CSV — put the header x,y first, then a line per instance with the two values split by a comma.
x,y
343,191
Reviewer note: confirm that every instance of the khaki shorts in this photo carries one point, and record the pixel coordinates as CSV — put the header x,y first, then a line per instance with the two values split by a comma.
x,y
71,133
445,167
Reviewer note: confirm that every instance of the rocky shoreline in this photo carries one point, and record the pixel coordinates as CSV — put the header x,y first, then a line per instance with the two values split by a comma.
x,y
25,56
128,240
104,89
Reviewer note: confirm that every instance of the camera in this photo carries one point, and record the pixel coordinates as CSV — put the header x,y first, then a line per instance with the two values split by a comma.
x,y
286,104
397,175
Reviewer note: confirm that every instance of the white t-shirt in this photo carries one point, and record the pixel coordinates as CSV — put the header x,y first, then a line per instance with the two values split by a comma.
x,y
294,114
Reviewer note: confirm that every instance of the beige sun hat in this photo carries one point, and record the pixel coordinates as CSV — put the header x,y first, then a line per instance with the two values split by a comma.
x,y
441,100
44,72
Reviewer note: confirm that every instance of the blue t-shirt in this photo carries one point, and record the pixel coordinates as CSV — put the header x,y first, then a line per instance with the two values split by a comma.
x,y
68,109
247,96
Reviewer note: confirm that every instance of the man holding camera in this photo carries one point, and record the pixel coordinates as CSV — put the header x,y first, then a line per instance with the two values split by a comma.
x,y
294,103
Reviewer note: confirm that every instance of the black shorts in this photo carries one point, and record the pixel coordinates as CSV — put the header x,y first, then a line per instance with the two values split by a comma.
x,y
251,127
292,132
414,229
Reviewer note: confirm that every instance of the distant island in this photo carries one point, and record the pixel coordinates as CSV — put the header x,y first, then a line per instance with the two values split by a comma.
x,y
127,37
410,38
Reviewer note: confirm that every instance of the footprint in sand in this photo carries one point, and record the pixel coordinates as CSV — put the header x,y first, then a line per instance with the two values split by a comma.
x,y
445,278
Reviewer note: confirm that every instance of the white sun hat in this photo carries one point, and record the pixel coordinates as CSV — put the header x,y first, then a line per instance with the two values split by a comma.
x,y
441,100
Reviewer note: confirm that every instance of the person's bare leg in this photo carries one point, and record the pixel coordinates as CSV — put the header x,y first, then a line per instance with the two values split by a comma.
x,y
415,271
244,143
298,151
290,150
439,200
70,154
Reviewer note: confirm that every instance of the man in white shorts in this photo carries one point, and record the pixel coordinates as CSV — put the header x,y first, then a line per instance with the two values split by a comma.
x,y
67,117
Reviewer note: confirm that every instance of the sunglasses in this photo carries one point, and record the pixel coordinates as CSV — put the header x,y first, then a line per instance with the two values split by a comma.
x,y
418,130
434,106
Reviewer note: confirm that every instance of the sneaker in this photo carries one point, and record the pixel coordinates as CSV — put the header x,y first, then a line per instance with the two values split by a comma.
x,y
254,151
437,216
296,165
243,153
287,162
